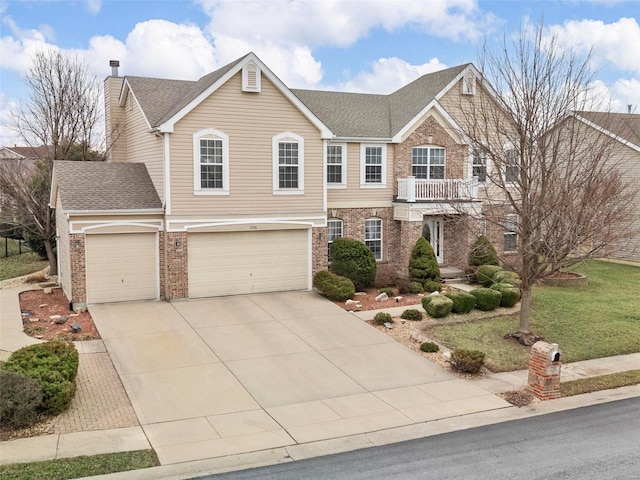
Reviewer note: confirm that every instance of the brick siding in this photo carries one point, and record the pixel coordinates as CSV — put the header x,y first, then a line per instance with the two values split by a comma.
x,y
177,267
78,268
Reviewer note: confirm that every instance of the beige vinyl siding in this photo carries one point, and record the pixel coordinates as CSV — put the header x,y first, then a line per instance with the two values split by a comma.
x,y
114,120
354,196
64,259
142,146
250,120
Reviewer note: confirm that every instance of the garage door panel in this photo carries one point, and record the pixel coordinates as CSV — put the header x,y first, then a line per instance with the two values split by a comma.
x,y
121,267
234,263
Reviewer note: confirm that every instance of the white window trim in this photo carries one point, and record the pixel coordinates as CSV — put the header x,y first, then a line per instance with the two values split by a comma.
x,y
363,156
380,239
469,83
487,165
197,185
329,242
429,146
284,137
343,183
511,219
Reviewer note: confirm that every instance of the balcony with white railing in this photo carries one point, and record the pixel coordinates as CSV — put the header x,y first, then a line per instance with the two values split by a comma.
x,y
412,189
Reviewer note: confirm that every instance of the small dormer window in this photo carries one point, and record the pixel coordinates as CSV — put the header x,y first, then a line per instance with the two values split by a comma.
x,y
251,78
469,84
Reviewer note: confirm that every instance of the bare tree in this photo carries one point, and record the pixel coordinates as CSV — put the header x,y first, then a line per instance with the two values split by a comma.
x,y
61,112
552,184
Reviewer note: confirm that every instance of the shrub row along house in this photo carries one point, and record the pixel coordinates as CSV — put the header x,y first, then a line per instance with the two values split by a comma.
x,y
236,184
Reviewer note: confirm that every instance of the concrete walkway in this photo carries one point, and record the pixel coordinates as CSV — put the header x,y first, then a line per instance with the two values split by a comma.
x,y
267,378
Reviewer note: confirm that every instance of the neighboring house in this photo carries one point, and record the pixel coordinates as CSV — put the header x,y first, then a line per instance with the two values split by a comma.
x,y
19,160
236,184
624,130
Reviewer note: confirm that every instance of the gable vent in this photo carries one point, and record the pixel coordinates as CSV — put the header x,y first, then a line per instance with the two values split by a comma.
x,y
469,84
251,78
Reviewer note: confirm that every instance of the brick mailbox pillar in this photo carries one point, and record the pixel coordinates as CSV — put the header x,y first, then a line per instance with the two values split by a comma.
x,y
544,370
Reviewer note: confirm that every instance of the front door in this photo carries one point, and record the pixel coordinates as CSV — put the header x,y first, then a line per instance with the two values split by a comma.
x,y
432,230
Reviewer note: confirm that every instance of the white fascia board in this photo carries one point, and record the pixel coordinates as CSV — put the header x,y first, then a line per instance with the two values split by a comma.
x,y
123,97
202,222
325,132
604,131
435,105
142,211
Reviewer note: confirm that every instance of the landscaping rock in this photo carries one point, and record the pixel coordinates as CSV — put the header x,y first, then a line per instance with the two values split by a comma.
x,y
398,298
75,327
42,305
34,320
62,320
383,297
55,317
48,290
388,325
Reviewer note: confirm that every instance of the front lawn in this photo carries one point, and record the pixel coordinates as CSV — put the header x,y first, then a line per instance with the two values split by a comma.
x,y
18,265
599,320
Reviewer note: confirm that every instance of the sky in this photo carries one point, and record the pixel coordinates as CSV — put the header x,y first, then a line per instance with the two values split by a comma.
x,y
372,46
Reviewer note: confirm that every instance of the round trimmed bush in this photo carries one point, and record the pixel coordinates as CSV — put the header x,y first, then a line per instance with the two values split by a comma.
x,y
463,302
333,286
20,400
439,306
483,253
429,347
411,314
485,274
467,361
486,298
510,294
54,365
416,288
505,276
381,318
353,259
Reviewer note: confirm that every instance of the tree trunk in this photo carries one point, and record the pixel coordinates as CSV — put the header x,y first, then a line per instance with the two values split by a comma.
x,y
525,309
53,259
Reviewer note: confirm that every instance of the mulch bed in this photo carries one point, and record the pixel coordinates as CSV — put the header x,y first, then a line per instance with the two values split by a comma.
x,y
37,309
367,297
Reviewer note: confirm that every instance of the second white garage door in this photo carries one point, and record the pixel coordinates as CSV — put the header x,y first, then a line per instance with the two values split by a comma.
x,y
121,267
235,263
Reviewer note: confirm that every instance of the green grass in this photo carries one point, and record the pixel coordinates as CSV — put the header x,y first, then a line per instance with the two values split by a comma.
x,y
599,320
18,265
12,247
66,468
601,382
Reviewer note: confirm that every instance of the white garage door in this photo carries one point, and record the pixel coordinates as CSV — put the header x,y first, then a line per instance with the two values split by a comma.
x,y
235,263
121,267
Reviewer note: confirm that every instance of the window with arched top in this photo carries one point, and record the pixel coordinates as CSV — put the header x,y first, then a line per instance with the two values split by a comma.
x,y
288,163
210,162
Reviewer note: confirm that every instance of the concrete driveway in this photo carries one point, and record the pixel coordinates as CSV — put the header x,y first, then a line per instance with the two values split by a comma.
x,y
224,376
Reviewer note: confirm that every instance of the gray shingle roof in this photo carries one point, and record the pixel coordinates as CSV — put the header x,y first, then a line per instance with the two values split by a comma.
x,y
100,186
623,125
160,99
378,116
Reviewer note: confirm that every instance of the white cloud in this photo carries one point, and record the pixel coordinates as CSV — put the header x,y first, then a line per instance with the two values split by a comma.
x,y
94,6
19,47
626,92
8,136
389,74
612,43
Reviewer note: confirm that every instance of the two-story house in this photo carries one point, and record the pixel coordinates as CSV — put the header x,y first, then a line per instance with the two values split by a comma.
x,y
236,184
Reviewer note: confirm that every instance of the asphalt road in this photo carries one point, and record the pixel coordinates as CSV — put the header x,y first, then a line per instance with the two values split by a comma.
x,y
596,442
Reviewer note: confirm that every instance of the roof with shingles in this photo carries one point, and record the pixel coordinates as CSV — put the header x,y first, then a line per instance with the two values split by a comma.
x,y
376,116
357,115
160,99
623,125
104,186
26,152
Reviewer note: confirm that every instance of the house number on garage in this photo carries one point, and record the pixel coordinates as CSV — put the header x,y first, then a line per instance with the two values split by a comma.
x,y
253,227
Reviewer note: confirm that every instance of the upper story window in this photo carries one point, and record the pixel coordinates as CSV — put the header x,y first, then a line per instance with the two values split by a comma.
x,y
428,163
373,236
334,230
373,165
511,166
288,163
336,165
211,162
480,165
510,232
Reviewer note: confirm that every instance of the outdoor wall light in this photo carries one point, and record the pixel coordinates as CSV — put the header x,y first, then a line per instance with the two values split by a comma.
x,y
76,244
178,242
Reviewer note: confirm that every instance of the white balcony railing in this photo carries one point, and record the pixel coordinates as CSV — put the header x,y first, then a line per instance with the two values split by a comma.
x,y
414,189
